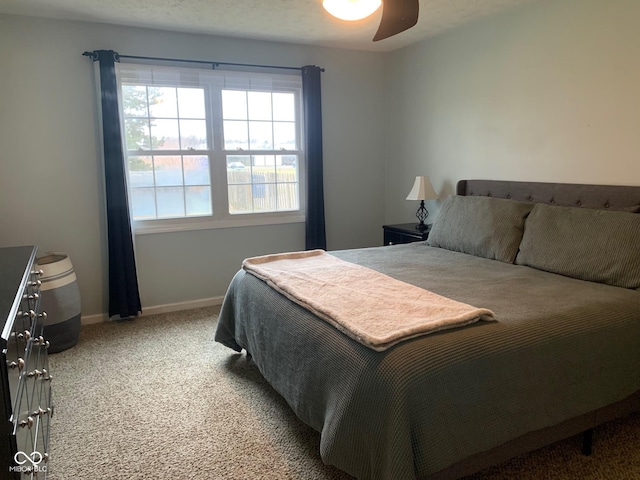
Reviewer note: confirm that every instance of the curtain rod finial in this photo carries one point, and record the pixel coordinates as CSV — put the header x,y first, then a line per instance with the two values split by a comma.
x,y
95,55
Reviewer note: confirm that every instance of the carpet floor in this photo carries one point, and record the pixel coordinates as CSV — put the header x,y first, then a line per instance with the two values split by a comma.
x,y
156,398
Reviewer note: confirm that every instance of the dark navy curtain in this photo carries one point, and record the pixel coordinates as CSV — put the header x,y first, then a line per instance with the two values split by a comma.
x,y
124,297
315,236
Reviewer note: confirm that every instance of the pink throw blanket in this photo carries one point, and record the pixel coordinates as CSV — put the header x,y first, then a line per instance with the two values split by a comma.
x,y
370,307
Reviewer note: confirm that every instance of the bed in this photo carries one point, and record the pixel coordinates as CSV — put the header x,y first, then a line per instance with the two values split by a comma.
x,y
562,356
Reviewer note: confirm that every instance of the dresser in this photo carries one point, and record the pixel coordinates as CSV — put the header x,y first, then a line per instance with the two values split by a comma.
x,y
25,401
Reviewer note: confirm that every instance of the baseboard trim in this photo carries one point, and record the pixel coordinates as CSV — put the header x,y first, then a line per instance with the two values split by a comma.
x,y
156,309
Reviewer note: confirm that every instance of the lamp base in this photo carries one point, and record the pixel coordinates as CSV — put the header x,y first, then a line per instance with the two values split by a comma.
x,y
422,215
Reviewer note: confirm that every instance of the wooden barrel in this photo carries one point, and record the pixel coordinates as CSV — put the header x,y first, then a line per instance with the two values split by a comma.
x,y
60,298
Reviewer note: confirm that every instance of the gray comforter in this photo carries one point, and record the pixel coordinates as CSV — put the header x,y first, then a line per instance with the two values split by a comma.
x,y
560,348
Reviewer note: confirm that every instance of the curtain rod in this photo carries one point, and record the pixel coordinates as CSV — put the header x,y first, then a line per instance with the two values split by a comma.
x,y
94,57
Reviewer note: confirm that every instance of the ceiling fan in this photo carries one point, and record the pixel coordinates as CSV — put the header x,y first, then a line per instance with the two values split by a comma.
x,y
397,15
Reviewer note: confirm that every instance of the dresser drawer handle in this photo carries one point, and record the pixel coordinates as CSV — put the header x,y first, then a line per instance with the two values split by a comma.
x,y
27,423
19,364
26,336
41,341
40,412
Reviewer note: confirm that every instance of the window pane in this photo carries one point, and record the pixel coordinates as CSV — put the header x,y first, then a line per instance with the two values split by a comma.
x,y
137,133
239,199
270,184
235,135
134,101
261,135
284,135
284,107
143,203
196,170
264,197
164,135
257,188
259,105
238,170
163,102
288,196
140,171
170,201
264,168
168,171
286,168
193,134
234,105
198,200
191,103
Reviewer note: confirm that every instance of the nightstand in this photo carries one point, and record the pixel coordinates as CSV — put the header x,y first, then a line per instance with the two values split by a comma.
x,y
404,233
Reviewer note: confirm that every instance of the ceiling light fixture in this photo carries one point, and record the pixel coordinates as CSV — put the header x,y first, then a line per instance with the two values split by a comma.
x,y
351,9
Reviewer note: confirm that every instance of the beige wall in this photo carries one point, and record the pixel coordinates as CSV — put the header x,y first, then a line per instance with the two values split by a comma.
x,y
546,92
51,179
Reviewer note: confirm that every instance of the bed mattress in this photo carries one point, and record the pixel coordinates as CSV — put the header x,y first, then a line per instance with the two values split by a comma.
x,y
560,348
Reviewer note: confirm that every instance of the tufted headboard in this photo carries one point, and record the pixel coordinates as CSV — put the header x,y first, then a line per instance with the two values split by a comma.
x,y
613,197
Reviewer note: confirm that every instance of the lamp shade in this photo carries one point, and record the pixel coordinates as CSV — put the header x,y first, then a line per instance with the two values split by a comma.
x,y
351,9
422,190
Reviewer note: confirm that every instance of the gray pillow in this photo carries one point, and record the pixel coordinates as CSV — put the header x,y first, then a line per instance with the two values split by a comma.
x,y
481,226
594,245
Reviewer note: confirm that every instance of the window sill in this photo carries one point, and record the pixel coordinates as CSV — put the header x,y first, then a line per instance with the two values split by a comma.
x,y
185,225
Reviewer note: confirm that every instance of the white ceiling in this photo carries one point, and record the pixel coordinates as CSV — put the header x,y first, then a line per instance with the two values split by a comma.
x,y
297,21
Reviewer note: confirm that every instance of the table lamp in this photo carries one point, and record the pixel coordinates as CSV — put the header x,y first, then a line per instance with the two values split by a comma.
x,y
422,190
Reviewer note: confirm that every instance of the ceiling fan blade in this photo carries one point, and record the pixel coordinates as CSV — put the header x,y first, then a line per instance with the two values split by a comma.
x,y
397,16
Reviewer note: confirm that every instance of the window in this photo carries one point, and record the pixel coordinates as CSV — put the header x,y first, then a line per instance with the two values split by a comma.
x,y
211,148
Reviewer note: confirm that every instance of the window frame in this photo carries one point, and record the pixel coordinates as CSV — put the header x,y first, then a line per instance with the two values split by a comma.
x,y
214,81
